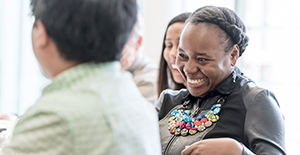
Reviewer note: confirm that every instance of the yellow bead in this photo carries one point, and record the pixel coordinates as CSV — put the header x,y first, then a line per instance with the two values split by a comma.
x,y
215,118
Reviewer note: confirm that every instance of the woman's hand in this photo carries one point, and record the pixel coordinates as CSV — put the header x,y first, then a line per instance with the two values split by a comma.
x,y
215,146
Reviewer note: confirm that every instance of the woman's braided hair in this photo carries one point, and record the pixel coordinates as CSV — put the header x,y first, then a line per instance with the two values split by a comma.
x,y
227,20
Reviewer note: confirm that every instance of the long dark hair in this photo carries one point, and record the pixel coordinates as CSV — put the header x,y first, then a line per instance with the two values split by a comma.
x,y
164,70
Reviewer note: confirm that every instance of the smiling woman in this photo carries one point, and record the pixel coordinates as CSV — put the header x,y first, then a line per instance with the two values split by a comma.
x,y
200,58
221,110
168,75
170,52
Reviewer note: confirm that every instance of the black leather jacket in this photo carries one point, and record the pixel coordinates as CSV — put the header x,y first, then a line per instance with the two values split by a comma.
x,y
250,115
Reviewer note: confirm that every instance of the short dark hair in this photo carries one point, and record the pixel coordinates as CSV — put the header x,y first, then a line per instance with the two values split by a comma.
x,y
227,20
163,79
87,30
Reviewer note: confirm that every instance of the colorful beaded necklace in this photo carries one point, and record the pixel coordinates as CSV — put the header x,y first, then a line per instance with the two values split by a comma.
x,y
182,122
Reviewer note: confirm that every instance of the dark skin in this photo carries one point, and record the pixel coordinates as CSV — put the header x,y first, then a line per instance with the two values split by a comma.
x,y
203,62
202,58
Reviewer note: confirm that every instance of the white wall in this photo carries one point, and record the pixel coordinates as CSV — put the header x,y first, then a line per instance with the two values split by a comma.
x,y
21,81
158,13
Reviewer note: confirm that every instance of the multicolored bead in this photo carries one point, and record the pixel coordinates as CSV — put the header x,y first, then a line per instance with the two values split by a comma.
x,y
203,120
208,124
178,115
214,118
201,116
182,123
187,119
189,125
201,128
171,126
217,110
172,131
197,123
172,122
173,113
187,112
172,118
177,123
193,131
184,132
178,132
209,113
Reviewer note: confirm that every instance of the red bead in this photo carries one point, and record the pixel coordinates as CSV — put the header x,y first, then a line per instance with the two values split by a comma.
x,y
197,123
203,120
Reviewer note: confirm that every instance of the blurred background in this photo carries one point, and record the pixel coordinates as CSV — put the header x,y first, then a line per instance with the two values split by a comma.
x,y
271,58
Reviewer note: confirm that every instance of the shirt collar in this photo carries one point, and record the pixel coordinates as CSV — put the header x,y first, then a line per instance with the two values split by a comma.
x,y
78,73
227,85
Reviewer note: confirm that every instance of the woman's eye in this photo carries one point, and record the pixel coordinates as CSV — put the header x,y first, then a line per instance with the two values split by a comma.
x,y
182,56
170,46
201,60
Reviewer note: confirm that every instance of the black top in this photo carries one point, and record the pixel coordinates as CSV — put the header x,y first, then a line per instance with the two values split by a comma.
x,y
250,115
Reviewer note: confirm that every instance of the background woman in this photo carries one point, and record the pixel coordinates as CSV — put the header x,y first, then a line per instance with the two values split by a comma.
x,y
169,76
221,111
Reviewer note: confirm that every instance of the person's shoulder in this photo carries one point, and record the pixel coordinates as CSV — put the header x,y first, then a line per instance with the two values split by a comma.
x,y
254,94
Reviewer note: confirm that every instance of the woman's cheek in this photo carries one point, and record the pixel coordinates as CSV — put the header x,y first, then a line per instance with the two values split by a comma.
x,y
166,56
180,67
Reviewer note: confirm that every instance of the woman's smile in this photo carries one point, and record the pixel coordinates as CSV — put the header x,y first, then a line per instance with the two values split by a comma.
x,y
175,69
196,82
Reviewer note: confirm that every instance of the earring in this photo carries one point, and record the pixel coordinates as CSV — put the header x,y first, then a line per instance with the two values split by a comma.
x,y
234,76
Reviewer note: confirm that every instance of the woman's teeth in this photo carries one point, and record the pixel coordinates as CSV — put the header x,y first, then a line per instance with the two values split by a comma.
x,y
198,81
174,66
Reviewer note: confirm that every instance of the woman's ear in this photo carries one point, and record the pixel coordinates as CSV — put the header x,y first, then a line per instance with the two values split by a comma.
x,y
234,54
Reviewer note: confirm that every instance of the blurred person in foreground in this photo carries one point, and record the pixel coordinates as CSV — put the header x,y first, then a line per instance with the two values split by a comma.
x,y
87,109
143,69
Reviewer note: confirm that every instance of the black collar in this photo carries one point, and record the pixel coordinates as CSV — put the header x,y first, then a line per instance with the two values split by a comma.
x,y
226,86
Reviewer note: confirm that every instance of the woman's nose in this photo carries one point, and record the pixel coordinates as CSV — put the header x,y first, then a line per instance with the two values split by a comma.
x,y
174,52
190,67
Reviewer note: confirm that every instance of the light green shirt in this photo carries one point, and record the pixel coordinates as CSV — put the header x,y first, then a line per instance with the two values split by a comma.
x,y
86,110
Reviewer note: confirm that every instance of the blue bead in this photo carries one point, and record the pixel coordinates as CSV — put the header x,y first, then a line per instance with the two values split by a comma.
x,y
214,106
178,115
187,119
187,112
173,113
201,116
217,110
192,124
